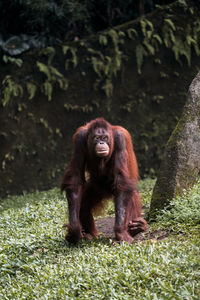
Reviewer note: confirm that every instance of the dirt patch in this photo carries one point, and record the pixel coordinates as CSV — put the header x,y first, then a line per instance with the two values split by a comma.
x,y
106,225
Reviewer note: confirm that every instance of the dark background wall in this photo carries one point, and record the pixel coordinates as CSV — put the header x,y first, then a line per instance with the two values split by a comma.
x,y
146,95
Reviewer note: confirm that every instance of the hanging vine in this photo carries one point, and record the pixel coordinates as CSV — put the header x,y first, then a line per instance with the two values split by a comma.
x,y
105,55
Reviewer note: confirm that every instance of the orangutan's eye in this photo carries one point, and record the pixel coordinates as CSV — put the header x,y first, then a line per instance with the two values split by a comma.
x,y
96,138
105,138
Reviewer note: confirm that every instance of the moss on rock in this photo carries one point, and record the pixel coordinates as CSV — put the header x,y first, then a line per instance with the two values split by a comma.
x,y
181,162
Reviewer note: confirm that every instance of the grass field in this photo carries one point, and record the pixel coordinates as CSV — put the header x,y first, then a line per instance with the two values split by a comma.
x,y
36,263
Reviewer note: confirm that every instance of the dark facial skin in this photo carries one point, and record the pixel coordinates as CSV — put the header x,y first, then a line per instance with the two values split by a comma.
x,y
101,141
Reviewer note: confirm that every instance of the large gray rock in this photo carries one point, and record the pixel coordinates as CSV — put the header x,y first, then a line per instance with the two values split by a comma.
x,y
181,162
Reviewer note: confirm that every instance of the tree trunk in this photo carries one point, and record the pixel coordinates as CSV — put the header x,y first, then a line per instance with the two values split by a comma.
x,y
181,162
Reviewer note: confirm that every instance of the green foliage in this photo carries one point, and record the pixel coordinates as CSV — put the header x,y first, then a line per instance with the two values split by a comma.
x,y
31,89
73,59
52,74
46,125
184,210
132,33
81,108
180,49
182,44
71,19
7,158
108,88
10,89
107,66
36,263
103,39
183,3
147,28
17,61
48,18
150,43
107,58
49,52
140,52
196,36
179,43
170,23
98,65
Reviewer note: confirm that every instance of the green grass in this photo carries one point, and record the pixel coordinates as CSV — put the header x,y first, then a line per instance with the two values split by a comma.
x,y
36,263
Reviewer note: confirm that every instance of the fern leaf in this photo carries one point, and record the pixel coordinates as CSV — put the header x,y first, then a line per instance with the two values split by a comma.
x,y
190,40
143,25
172,36
17,61
48,89
158,38
149,24
74,57
55,72
45,69
114,36
50,52
132,33
103,39
170,23
148,34
65,49
31,89
107,69
139,51
63,83
108,88
149,47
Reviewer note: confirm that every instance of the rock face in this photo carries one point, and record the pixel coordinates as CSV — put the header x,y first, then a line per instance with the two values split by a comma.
x,y
181,162
145,95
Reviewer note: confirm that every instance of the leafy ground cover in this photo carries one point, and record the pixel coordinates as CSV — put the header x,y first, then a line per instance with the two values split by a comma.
x,y
36,263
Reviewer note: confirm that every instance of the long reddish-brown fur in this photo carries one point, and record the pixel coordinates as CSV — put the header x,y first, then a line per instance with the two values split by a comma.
x,y
116,174
132,162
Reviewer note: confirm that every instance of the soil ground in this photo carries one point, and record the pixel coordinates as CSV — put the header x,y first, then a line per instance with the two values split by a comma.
x,y
106,225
